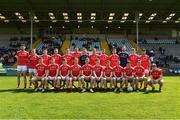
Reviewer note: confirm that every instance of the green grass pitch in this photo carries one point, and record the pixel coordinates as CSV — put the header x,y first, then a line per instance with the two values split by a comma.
x,y
23,104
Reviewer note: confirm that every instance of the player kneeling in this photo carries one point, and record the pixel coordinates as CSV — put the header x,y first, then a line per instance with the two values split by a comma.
x,y
75,74
139,75
40,72
118,76
64,72
52,73
107,75
129,75
87,75
156,75
98,74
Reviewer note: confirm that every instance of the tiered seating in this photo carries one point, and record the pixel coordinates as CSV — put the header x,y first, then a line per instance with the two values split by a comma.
x,y
120,42
161,41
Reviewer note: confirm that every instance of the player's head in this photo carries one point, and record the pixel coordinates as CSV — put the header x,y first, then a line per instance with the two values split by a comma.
x,y
133,50
87,61
94,50
118,62
139,63
108,63
23,47
64,61
45,51
52,60
103,51
56,51
123,48
84,50
68,51
128,64
76,61
40,60
33,51
154,66
114,51
97,61
76,49
143,51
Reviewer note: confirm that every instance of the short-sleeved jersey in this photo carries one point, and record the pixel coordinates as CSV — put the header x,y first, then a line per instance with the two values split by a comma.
x,y
22,57
145,61
118,71
92,59
133,58
75,70
123,56
46,59
156,73
41,69
139,71
113,59
76,54
52,68
87,70
103,58
64,70
98,69
33,61
128,71
58,59
108,71
69,59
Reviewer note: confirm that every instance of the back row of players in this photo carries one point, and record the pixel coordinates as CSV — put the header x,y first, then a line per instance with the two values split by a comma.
x,y
116,68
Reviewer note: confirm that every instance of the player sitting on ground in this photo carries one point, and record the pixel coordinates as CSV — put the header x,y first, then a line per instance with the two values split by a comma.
x,y
75,74
64,72
156,75
108,75
40,73
22,65
129,75
98,74
87,75
118,76
33,61
52,73
139,73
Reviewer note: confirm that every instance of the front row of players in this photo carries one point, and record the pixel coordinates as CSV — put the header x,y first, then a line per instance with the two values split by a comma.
x,y
65,75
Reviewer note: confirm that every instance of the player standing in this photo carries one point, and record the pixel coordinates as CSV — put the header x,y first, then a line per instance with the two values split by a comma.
x,y
57,57
93,57
77,54
23,56
33,61
83,57
103,58
133,58
46,58
113,58
123,56
68,57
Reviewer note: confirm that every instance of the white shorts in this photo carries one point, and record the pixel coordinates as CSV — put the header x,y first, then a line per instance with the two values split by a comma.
x,y
32,70
119,79
21,68
51,78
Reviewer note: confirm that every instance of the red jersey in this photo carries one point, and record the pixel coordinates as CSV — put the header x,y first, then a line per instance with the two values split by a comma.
x,y
98,70
75,70
156,73
145,60
92,59
53,69
107,72
40,69
69,59
128,71
118,71
139,71
57,58
46,59
103,58
87,70
22,57
33,61
76,54
64,69
113,59
133,58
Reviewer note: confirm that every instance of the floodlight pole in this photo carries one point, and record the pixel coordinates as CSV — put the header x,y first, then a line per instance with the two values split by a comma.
x,y
31,19
137,30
